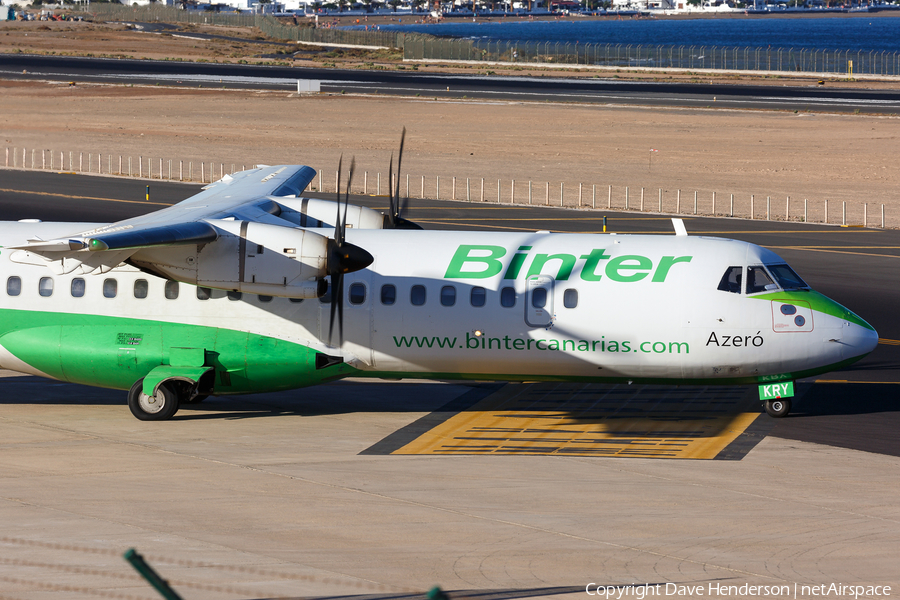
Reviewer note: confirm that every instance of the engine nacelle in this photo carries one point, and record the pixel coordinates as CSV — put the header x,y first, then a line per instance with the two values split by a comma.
x,y
255,258
312,212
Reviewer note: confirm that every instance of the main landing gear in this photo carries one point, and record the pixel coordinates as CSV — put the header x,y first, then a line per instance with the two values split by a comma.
x,y
164,404
778,408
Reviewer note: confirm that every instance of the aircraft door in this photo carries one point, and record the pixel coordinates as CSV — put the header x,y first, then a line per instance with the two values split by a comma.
x,y
539,300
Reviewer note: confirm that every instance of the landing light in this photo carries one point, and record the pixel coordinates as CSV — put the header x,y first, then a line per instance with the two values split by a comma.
x,y
478,333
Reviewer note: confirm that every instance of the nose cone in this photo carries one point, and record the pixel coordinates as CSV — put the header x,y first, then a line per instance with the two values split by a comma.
x,y
858,340
856,337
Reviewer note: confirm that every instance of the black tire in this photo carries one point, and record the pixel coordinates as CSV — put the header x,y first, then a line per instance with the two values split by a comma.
x,y
778,408
160,407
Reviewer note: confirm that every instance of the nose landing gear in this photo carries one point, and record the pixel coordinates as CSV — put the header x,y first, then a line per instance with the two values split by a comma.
x,y
778,407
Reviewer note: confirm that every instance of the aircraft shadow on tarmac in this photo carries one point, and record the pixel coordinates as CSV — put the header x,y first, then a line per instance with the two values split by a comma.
x,y
858,415
819,400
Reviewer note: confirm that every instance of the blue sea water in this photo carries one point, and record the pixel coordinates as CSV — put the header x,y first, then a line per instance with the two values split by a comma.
x,y
881,33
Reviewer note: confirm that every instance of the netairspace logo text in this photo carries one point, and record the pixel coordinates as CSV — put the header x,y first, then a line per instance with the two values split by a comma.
x,y
712,590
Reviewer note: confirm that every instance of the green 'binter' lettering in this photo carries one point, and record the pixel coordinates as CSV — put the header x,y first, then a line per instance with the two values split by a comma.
x,y
487,257
567,263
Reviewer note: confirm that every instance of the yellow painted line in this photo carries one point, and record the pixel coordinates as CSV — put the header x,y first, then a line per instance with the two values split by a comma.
x,y
516,421
511,432
888,342
471,225
82,197
834,251
568,220
863,382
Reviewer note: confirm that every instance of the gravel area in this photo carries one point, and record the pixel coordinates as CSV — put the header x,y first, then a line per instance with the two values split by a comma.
x,y
840,158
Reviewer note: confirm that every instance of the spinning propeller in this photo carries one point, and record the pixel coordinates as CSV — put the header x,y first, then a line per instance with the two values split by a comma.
x,y
343,257
346,258
393,220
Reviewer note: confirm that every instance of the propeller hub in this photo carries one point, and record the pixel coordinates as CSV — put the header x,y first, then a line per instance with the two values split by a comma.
x,y
347,258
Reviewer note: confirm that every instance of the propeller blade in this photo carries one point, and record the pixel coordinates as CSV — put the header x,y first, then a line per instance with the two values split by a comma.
x,y
397,182
340,309
392,205
394,220
342,257
334,277
337,219
347,198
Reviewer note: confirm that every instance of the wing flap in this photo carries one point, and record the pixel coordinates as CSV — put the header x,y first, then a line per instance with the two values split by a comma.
x,y
176,234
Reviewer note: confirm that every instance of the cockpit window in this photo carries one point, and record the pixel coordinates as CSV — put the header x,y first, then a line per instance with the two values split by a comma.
x,y
758,280
731,280
786,278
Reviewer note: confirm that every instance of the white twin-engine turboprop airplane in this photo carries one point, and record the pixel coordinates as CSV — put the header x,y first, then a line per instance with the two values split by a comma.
x,y
230,292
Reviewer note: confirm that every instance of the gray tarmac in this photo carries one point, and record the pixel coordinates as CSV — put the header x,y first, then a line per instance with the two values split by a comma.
x,y
445,85
276,495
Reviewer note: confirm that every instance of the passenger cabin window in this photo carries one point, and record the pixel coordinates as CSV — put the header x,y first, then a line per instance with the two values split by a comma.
x,y
171,290
539,297
758,280
110,288
570,298
388,294
417,295
234,296
13,286
78,287
786,277
448,295
141,288
508,297
478,296
731,280
203,293
357,293
45,286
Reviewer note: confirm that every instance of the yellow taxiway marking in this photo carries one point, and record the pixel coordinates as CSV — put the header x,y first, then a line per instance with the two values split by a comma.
x,y
860,382
83,197
476,225
820,249
692,422
481,223
888,342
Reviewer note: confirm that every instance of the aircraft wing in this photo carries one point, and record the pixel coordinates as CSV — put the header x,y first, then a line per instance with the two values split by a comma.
x,y
244,196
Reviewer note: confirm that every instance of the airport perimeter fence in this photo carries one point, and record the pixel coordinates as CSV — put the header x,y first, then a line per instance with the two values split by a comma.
x,y
577,195
268,25
747,58
425,47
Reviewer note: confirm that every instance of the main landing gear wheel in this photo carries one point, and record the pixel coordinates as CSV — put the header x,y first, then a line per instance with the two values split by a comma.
x,y
159,407
779,407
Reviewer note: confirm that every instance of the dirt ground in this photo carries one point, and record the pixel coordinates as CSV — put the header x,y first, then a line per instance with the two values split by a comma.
x,y
842,158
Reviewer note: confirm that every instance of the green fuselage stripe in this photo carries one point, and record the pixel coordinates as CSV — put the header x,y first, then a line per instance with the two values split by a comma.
x,y
115,352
